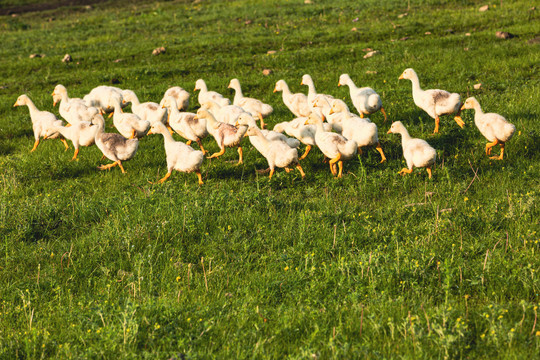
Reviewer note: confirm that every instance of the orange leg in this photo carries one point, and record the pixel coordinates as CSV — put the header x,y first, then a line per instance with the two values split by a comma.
x,y
340,164
65,144
121,167
405,171
133,134
384,113
333,162
75,155
360,151
490,145
35,145
217,154
263,125
188,142
362,115
301,171
240,158
379,149
199,176
428,169
201,146
437,121
308,148
161,181
271,173
500,157
108,167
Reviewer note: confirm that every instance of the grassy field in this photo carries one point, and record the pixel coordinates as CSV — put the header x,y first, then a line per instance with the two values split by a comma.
x,y
374,265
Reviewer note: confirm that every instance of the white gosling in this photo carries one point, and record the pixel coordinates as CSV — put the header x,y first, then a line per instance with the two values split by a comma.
x,y
42,121
361,130
180,95
247,119
180,157
253,106
80,134
186,124
312,93
73,110
129,125
100,97
205,95
417,152
298,129
149,111
227,114
113,146
277,152
365,99
334,146
493,126
226,135
435,102
297,103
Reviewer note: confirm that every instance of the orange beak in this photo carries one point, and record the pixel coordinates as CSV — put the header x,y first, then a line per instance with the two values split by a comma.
x,y
331,111
389,131
275,90
338,84
400,77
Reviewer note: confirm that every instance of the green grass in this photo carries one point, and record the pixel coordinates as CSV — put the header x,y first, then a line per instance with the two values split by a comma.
x,y
374,265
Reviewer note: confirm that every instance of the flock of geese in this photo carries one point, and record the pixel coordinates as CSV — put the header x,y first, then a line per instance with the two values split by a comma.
x,y
320,120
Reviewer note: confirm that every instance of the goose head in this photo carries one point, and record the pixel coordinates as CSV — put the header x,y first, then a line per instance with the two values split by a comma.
x,y
408,74
396,128
280,85
344,80
470,103
21,100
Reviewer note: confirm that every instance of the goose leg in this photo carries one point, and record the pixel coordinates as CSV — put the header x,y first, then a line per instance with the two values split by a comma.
x,y
199,176
500,157
75,154
108,167
162,180
308,148
459,121
188,142
200,145
428,169
121,167
360,152
263,125
110,115
340,164
490,145
221,152
287,169
362,115
65,143
170,129
35,145
271,173
405,171
437,121
333,162
384,113
379,149
240,158
301,171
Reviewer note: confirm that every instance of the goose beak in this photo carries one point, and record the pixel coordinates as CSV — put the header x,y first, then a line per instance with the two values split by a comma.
x,y
275,90
149,132
52,94
196,118
389,131
54,103
163,106
306,122
331,111
301,83
463,107
323,117
195,89
338,84
236,124
16,104
401,77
